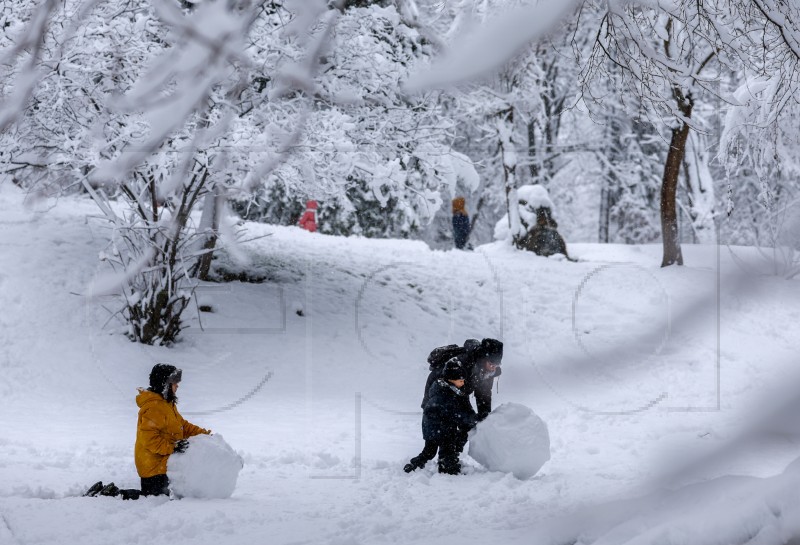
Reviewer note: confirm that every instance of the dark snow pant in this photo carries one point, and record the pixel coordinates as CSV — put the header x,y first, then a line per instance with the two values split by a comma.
x,y
428,453
155,485
448,455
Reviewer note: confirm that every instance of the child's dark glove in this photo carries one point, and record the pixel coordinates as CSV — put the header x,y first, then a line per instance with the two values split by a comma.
x,y
181,446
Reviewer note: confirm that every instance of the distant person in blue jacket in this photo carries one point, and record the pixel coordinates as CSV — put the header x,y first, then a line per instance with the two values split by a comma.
x,y
446,419
461,226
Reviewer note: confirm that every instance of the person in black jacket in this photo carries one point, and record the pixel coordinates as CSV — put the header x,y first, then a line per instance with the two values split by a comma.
x,y
481,361
446,419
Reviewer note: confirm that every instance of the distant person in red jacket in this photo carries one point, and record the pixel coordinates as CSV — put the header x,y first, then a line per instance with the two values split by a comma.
x,y
308,220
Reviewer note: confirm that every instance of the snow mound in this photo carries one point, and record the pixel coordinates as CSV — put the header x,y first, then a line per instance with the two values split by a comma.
x,y
530,198
536,196
512,439
208,469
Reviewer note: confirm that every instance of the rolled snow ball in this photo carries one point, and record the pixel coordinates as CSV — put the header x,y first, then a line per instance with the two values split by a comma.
x,y
512,439
208,469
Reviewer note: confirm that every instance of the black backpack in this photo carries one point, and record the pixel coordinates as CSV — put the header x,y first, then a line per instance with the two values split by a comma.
x,y
441,355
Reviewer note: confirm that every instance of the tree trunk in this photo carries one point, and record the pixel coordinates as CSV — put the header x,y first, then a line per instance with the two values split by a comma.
x,y
508,154
534,165
209,222
700,190
609,192
669,189
605,207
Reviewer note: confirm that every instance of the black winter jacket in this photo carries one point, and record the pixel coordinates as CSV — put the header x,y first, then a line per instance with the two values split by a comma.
x,y
477,382
460,230
447,414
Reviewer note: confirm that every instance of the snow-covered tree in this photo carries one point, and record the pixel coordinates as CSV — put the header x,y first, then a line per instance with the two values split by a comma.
x,y
168,107
760,140
144,104
378,158
629,157
669,55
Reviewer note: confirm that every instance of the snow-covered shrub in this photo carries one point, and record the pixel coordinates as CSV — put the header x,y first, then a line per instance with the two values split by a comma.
x,y
532,226
529,199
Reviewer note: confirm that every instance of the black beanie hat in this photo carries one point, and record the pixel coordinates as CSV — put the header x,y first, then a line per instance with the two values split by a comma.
x,y
453,370
491,349
162,376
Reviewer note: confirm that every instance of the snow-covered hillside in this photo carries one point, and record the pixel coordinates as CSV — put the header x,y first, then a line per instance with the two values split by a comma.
x,y
315,377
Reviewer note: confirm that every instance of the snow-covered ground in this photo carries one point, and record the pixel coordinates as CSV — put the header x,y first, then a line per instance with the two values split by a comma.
x,y
315,377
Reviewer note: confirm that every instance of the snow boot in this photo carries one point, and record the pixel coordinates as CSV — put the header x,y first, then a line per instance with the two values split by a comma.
x,y
130,493
415,463
94,489
450,468
109,490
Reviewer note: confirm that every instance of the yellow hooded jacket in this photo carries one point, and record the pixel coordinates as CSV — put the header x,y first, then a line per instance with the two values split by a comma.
x,y
159,426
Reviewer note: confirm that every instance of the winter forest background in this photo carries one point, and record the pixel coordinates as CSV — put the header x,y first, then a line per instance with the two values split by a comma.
x,y
650,122
267,109
646,121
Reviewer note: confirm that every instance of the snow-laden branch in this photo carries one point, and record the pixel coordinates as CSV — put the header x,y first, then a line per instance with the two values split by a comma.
x,y
476,52
780,17
29,42
179,82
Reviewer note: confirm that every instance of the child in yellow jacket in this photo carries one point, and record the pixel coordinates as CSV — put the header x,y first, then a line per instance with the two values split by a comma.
x,y
160,432
160,429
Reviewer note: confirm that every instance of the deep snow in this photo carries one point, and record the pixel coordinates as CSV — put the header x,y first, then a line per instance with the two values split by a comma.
x,y
316,375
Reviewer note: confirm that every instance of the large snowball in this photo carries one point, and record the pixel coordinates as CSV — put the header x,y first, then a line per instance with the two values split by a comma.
x,y
208,469
512,439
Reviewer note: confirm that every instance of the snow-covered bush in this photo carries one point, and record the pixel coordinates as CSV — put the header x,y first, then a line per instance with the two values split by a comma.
x,y
529,199
533,226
